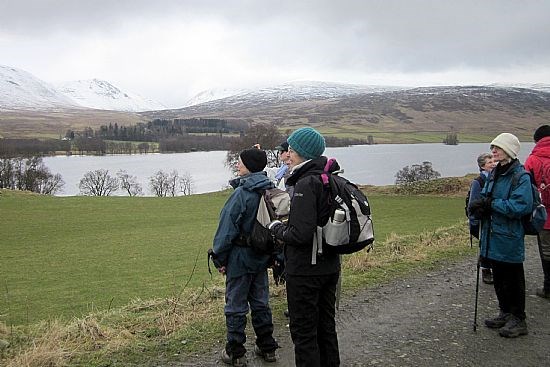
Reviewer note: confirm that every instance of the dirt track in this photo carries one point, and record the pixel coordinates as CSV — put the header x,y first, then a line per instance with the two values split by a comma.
x,y
426,320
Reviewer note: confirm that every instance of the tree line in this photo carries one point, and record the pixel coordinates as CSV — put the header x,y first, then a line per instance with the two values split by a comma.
x,y
158,129
162,184
29,174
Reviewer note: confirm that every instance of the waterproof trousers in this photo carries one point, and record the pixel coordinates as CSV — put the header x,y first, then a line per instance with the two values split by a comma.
x,y
249,290
311,304
544,249
509,282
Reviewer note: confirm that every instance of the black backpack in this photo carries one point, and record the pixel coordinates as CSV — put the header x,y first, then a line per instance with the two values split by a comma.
x,y
532,223
479,179
349,228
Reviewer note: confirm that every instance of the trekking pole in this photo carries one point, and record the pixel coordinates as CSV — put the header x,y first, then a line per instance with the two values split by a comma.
x,y
339,287
477,294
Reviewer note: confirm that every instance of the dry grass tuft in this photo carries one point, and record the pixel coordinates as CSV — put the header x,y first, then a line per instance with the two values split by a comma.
x,y
51,348
415,247
56,343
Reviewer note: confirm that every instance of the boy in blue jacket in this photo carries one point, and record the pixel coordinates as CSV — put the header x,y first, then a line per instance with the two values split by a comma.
x,y
247,283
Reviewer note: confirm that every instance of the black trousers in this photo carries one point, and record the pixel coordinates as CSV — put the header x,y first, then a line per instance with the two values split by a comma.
x,y
544,249
311,304
509,282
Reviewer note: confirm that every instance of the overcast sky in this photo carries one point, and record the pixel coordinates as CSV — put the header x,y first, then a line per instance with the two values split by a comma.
x,y
171,50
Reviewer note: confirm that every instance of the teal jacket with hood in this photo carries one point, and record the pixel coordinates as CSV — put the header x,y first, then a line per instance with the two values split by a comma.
x,y
238,216
502,235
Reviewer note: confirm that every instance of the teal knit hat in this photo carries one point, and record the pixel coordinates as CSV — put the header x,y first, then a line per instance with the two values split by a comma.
x,y
307,142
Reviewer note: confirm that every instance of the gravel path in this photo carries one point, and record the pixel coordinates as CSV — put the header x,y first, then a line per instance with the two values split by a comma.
x,y
427,320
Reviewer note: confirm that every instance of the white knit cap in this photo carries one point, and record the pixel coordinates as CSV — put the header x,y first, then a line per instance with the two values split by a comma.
x,y
509,143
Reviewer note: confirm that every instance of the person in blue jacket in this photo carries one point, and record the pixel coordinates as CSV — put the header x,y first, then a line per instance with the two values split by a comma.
x,y
246,284
503,202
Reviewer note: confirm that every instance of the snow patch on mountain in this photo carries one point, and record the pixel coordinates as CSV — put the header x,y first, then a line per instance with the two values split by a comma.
x,y
288,92
214,94
22,90
100,94
295,91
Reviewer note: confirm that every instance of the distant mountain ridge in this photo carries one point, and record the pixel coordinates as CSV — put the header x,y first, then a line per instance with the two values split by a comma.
x,y
471,110
20,89
103,95
287,92
29,105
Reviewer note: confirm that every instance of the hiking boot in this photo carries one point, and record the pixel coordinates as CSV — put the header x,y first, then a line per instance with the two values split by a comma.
x,y
236,362
267,356
543,293
498,321
513,328
487,276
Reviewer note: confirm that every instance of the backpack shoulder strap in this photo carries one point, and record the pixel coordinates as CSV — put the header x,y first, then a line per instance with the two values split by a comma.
x,y
480,180
326,171
515,179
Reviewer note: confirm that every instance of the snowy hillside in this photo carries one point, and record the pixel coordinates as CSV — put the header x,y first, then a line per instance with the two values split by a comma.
x,y
100,94
213,94
22,90
287,92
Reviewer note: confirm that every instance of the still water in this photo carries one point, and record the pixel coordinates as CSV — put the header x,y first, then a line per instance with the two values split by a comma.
x,y
363,164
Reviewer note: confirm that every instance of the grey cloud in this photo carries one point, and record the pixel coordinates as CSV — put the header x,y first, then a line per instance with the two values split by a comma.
x,y
412,35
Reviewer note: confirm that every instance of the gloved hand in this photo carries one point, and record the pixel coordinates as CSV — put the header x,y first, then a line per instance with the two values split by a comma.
x,y
273,224
278,272
474,230
481,208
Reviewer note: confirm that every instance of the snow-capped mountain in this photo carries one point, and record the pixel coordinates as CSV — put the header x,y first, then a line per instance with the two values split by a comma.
x,y
536,86
214,94
100,94
22,90
287,92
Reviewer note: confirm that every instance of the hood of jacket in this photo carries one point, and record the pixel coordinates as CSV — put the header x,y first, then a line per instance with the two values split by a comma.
x,y
542,148
252,182
311,167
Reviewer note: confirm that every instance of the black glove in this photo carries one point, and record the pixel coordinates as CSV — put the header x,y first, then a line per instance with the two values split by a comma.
x,y
474,230
279,272
273,226
481,208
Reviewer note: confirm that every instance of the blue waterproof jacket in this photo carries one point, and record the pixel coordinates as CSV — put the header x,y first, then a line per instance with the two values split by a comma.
x,y
238,216
502,235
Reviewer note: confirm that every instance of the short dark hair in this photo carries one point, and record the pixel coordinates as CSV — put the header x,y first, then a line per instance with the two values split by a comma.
x,y
542,132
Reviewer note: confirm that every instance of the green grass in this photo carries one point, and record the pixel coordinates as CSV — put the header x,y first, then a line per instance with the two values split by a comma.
x,y
68,256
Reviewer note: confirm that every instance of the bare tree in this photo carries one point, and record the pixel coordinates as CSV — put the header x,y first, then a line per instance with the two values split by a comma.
x,y
129,183
159,184
173,180
29,174
50,184
186,184
266,135
98,183
143,148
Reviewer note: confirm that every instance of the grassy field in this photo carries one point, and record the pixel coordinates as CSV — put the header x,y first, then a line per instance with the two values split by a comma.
x,y
86,281
66,256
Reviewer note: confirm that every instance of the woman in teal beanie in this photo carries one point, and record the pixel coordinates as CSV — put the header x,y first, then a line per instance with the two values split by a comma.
x,y
310,278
